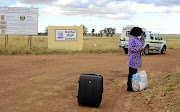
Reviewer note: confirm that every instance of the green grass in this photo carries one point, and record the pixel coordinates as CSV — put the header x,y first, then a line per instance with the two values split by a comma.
x,y
173,43
37,51
173,80
169,36
153,96
168,90
19,45
21,42
101,43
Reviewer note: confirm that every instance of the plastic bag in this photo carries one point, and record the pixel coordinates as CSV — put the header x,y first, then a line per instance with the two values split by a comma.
x,y
139,81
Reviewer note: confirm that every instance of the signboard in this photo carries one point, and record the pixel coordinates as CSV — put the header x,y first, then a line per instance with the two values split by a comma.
x,y
18,21
66,35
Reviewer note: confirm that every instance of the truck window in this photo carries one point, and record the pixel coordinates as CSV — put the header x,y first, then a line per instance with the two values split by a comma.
x,y
151,36
127,33
156,37
159,38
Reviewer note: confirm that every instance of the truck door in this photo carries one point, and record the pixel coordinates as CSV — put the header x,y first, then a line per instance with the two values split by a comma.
x,y
158,44
151,44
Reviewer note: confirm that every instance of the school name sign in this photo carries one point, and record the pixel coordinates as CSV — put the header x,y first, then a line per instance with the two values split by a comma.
x,y
18,21
66,35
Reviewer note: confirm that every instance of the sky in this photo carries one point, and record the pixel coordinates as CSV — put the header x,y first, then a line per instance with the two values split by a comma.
x,y
158,16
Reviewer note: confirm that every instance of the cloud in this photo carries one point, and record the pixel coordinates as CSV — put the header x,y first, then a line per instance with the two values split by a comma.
x,y
84,1
175,9
145,1
18,4
5,0
110,11
35,2
167,2
101,2
147,8
107,9
155,2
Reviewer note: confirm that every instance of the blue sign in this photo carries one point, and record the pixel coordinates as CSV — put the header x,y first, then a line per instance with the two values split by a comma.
x,y
60,35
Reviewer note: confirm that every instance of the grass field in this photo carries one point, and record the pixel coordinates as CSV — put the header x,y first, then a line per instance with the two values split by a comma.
x,y
19,44
170,36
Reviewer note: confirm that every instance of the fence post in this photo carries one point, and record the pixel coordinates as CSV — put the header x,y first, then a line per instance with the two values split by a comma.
x,y
5,41
30,41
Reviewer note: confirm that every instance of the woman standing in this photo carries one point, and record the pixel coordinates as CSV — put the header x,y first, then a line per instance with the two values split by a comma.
x,y
135,48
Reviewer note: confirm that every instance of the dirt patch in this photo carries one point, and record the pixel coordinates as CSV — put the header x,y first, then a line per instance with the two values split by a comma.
x,y
50,83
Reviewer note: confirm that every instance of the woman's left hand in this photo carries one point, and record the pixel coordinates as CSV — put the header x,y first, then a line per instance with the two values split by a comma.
x,y
142,35
142,49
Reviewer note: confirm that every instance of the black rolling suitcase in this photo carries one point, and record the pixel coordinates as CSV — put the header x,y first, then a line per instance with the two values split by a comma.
x,y
90,90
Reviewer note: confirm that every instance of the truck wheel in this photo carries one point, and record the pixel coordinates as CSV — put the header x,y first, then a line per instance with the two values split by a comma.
x,y
146,50
163,50
126,50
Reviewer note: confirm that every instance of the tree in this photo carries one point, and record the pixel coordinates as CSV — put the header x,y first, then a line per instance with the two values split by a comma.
x,y
93,30
85,30
101,33
46,31
108,31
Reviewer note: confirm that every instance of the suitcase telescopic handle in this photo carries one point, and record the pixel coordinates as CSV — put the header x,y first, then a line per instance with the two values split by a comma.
x,y
92,72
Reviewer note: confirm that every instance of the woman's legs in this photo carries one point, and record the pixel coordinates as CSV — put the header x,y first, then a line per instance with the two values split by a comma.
x,y
129,83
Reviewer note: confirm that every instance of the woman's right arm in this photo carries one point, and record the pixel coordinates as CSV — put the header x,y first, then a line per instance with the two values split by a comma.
x,y
132,46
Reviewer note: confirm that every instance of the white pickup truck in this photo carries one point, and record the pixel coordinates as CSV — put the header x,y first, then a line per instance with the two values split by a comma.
x,y
152,41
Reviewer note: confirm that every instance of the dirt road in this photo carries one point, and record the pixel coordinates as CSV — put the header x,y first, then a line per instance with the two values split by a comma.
x,y
50,83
